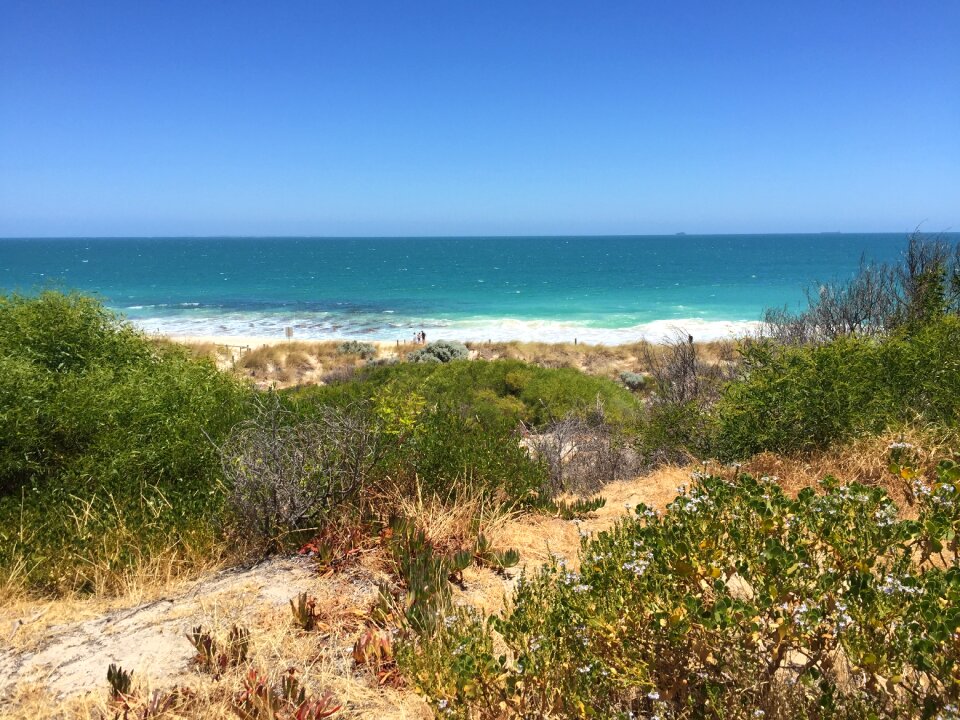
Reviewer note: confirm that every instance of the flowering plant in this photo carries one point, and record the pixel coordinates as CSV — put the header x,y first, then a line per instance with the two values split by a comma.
x,y
738,600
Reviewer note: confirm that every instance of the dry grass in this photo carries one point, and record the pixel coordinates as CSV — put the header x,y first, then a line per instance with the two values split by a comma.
x,y
865,461
287,364
344,600
109,571
290,364
539,537
29,617
603,360
322,658
453,521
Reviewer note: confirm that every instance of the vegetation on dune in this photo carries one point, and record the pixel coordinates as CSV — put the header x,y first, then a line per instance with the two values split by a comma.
x,y
924,284
744,599
741,601
502,391
799,398
829,374
364,350
738,602
105,462
291,471
441,351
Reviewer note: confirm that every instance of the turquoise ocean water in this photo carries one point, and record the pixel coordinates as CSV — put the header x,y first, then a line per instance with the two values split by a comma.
x,y
596,289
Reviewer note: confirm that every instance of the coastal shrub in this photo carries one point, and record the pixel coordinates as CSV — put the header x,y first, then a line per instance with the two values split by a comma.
x,y
105,443
355,347
394,441
923,286
676,425
583,453
738,602
797,398
634,381
440,351
449,449
677,433
508,391
284,477
340,374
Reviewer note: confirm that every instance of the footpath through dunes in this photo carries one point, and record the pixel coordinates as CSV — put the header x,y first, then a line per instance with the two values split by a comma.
x,y
55,654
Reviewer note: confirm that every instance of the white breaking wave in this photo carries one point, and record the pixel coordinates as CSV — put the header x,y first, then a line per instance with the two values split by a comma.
x,y
554,331
272,327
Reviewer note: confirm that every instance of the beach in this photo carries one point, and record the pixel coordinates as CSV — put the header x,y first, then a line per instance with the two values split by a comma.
x,y
507,330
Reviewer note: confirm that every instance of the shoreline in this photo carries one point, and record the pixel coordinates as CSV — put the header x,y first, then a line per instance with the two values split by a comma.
x,y
495,331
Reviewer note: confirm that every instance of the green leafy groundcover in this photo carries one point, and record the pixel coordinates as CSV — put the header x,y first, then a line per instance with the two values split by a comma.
x,y
106,456
738,602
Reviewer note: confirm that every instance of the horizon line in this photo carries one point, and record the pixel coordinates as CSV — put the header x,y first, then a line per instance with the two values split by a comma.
x,y
220,236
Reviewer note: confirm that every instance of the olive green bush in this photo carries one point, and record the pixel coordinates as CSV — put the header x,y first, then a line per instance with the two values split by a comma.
x,y
738,602
449,449
635,381
922,286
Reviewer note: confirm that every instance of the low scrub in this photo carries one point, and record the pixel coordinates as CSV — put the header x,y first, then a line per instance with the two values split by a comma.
x,y
922,286
285,478
365,350
583,453
441,351
499,391
296,466
738,602
106,461
794,399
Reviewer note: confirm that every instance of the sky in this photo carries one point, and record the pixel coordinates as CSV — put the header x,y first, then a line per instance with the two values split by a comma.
x,y
497,117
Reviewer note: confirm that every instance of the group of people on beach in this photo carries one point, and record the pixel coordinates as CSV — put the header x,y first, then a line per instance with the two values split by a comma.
x,y
420,338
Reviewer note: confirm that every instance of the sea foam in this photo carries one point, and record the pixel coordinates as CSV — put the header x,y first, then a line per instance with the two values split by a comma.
x,y
478,330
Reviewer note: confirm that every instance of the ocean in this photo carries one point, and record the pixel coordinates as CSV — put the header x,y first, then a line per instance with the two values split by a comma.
x,y
554,289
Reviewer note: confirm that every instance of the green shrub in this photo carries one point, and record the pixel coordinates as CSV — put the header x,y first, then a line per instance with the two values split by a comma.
x,y
449,449
105,443
796,398
508,391
440,351
739,602
427,447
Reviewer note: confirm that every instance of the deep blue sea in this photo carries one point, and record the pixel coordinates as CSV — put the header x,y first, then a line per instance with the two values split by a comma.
x,y
596,289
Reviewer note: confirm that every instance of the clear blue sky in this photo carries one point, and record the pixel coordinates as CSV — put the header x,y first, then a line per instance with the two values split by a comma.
x,y
484,117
